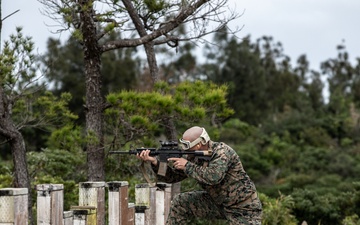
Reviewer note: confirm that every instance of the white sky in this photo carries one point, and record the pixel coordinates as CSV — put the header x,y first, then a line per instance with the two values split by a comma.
x,y
311,27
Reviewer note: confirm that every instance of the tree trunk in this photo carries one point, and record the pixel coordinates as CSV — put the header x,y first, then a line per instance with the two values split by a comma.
x,y
151,58
0,21
21,179
94,99
170,129
17,145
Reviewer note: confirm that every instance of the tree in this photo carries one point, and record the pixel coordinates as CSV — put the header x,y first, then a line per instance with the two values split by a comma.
x,y
262,83
137,115
237,65
23,103
65,70
147,23
278,211
356,83
183,66
312,83
340,74
343,91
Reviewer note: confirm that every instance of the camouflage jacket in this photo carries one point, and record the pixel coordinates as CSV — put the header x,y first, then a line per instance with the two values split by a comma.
x,y
223,176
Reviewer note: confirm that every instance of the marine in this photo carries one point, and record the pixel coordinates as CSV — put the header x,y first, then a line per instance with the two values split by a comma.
x,y
228,192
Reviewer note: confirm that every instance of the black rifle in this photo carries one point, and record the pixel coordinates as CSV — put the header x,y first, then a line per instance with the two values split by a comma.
x,y
166,151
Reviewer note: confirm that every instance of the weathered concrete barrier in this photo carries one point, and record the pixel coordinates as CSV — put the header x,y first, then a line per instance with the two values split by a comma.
x,y
151,205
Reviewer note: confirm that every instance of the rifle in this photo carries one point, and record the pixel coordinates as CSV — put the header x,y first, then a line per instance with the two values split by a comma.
x,y
166,151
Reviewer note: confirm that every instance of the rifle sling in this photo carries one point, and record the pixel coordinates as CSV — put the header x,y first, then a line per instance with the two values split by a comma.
x,y
146,176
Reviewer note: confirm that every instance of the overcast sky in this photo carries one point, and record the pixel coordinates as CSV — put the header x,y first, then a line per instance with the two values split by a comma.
x,y
311,27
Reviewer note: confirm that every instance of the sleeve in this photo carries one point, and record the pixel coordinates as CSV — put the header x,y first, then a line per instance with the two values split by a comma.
x,y
212,174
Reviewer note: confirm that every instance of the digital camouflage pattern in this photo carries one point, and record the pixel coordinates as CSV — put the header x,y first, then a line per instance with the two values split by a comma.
x,y
228,193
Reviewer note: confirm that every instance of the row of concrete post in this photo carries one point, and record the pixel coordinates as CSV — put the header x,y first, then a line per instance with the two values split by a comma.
x,y
151,205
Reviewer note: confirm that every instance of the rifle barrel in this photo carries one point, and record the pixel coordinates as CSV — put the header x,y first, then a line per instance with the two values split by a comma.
x,y
132,152
154,152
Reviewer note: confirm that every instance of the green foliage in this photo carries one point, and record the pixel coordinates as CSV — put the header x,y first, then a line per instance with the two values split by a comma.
x,y
351,220
43,110
17,64
66,138
155,5
298,156
278,211
316,207
322,199
57,163
58,167
145,112
242,130
197,99
6,178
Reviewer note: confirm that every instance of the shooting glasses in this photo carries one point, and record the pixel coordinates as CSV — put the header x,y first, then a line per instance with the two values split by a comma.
x,y
204,138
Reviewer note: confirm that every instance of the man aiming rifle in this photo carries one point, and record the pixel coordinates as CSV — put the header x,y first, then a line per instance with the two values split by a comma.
x,y
228,192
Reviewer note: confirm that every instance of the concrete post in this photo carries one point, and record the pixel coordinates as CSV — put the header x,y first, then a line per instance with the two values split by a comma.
x,y
145,196
119,213
93,194
163,201
68,218
140,215
84,215
14,206
50,204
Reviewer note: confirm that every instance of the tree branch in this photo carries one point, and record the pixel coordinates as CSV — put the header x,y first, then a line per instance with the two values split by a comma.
x,y
149,46
164,28
9,15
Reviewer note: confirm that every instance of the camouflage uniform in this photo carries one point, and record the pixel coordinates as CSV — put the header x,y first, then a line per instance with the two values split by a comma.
x,y
228,192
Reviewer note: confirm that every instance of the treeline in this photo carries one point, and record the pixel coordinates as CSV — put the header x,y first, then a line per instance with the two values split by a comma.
x,y
301,150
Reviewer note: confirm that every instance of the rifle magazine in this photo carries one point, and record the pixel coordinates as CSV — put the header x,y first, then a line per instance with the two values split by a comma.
x,y
162,168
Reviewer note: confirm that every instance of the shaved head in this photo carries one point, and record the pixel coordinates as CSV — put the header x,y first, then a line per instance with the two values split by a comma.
x,y
192,133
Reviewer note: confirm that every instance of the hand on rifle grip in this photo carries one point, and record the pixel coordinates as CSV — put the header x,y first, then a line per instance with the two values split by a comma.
x,y
145,156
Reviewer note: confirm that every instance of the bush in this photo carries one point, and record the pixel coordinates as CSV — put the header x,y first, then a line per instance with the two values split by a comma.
x,y
278,211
